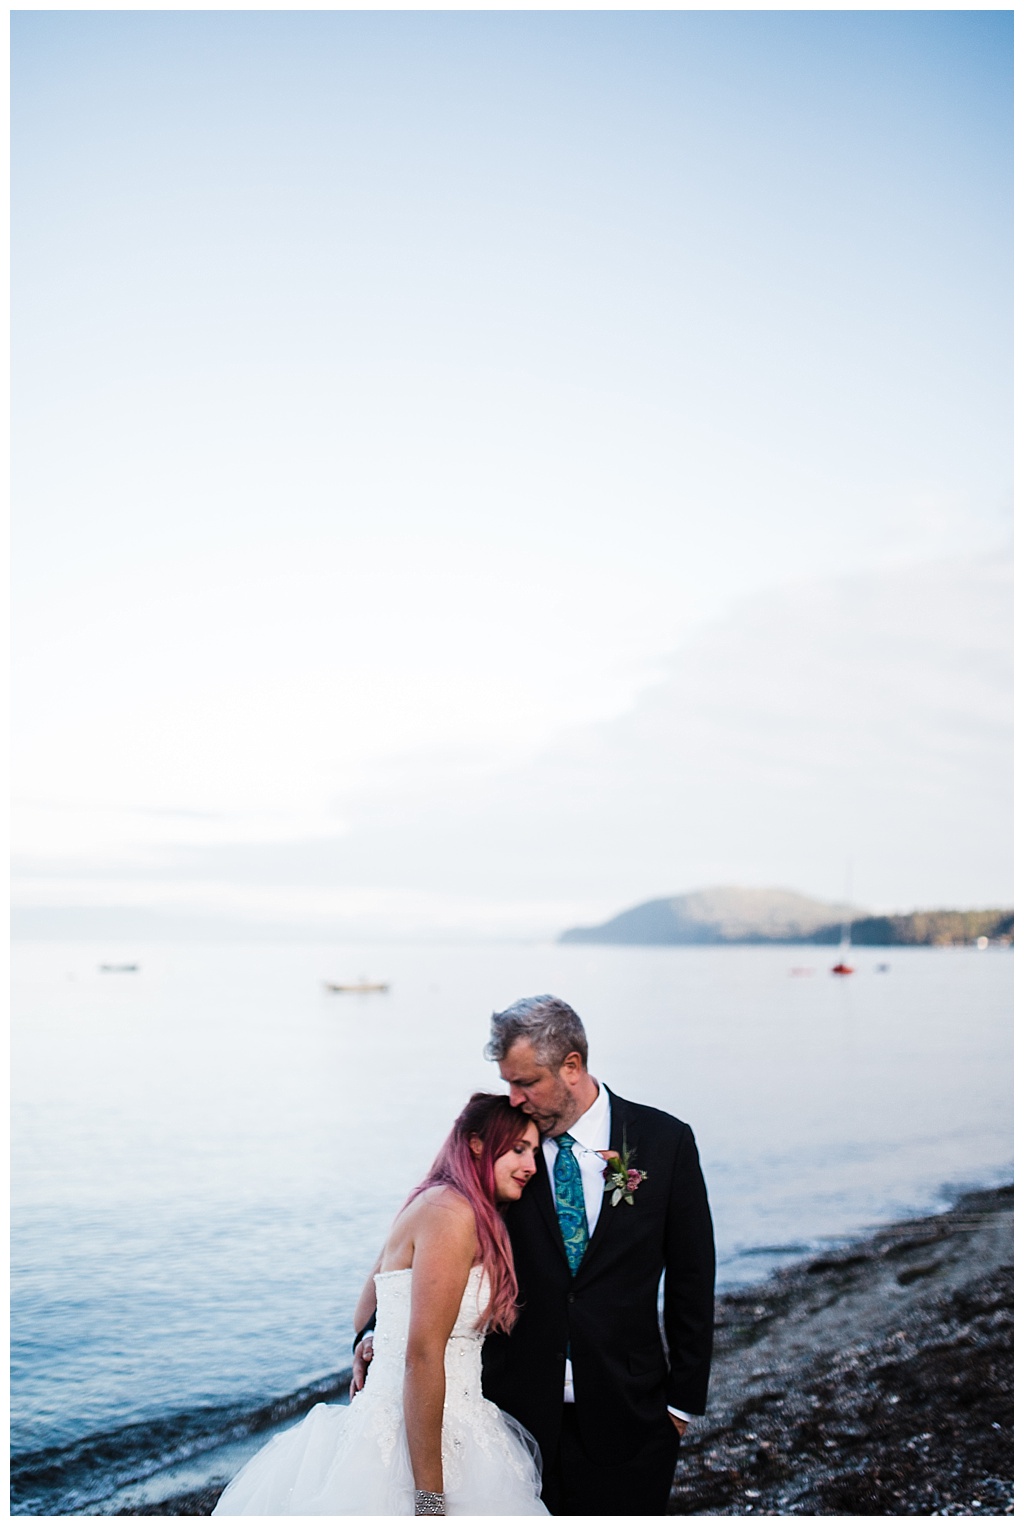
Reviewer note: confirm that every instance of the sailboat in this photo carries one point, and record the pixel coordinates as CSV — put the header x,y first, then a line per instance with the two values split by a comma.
x,y
842,968
842,965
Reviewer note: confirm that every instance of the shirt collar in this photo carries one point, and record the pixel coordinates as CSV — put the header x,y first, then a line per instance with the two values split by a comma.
x,y
592,1129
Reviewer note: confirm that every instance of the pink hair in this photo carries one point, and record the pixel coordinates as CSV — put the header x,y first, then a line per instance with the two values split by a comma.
x,y
491,1118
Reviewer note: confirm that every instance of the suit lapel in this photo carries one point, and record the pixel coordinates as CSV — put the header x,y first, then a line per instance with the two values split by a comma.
x,y
540,1195
621,1119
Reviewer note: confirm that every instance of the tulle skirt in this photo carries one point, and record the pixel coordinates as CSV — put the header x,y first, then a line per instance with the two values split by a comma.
x,y
354,1460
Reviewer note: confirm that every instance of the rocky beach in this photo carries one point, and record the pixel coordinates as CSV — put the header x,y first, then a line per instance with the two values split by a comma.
x,y
875,1380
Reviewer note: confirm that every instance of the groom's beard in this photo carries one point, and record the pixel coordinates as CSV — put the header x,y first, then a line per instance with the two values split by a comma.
x,y
551,1123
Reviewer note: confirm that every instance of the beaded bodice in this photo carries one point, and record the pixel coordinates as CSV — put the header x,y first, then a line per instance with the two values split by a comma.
x,y
462,1353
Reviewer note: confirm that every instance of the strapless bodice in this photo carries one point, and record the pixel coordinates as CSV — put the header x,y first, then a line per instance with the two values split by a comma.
x,y
462,1355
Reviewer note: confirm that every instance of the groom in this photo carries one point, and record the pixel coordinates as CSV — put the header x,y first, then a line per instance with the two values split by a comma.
x,y
584,1368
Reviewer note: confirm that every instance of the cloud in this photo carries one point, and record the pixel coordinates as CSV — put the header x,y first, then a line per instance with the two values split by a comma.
x,y
866,716
863,717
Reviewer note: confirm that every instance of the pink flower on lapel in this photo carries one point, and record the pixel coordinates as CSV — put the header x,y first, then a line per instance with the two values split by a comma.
x,y
620,1178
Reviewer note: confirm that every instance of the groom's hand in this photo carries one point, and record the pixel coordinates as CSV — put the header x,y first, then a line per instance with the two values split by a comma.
x,y
676,1420
362,1356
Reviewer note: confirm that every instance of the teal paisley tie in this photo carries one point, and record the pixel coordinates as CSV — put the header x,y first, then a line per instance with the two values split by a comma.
x,y
569,1203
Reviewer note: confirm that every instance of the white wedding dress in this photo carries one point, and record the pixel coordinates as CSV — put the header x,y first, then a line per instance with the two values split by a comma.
x,y
354,1459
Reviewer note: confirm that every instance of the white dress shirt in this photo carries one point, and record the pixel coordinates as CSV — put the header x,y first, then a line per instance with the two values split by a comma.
x,y
591,1132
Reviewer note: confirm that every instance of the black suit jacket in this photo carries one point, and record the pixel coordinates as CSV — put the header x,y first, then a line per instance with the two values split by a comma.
x,y
609,1310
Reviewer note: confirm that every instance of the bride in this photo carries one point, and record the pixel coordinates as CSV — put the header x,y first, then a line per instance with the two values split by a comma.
x,y
419,1438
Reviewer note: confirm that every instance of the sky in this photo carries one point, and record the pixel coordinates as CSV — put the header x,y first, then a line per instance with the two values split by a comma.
x,y
475,471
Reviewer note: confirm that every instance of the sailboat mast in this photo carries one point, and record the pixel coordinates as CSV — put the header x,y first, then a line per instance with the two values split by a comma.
x,y
846,926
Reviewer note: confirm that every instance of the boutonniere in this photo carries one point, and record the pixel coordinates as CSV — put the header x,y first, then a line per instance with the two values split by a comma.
x,y
620,1178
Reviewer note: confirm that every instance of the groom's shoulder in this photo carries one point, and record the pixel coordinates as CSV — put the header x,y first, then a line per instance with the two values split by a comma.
x,y
652,1117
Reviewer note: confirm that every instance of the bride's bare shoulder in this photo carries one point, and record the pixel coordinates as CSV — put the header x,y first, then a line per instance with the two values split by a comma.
x,y
439,1217
440,1209
445,1205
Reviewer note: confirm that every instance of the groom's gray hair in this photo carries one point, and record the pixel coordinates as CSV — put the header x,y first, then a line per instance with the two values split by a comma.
x,y
550,1024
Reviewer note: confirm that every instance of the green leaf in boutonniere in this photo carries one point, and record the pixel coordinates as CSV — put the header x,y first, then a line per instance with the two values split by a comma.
x,y
621,1178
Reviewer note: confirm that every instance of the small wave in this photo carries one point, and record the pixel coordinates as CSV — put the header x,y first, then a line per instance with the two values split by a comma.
x,y
63,1480
774,1250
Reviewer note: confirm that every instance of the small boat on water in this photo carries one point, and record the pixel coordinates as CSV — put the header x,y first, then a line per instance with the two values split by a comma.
x,y
118,969
842,967
360,987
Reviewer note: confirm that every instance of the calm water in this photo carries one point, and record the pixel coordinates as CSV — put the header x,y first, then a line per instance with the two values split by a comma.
x,y
207,1153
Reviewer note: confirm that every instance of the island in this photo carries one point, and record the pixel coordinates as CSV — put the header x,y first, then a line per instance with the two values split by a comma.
x,y
735,914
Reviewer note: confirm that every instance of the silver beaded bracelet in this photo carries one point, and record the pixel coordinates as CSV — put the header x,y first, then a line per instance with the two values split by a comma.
x,y
428,1504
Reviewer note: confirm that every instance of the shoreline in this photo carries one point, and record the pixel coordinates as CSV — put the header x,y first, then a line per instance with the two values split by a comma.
x,y
873,1380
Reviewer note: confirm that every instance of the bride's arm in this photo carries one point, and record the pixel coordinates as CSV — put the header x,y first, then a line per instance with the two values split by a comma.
x,y
366,1306
443,1250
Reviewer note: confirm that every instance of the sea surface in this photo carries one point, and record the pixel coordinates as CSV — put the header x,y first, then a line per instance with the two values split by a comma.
x,y
207,1152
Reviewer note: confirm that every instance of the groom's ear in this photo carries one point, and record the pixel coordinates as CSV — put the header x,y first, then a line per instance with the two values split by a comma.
x,y
573,1063
476,1144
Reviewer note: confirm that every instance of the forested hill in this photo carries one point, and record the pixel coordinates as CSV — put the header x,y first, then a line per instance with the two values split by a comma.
x,y
934,927
731,914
